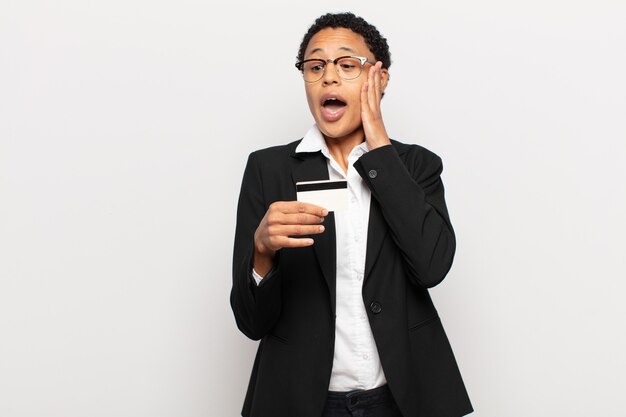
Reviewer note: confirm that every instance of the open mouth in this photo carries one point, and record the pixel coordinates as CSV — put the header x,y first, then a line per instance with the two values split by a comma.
x,y
333,108
333,104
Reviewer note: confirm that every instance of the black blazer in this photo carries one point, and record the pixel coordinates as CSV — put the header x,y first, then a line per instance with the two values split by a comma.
x,y
410,248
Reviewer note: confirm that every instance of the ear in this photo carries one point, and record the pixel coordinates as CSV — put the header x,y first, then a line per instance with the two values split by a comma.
x,y
385,79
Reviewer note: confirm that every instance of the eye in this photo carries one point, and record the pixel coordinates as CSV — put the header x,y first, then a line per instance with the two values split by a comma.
x,y
349,65
314,67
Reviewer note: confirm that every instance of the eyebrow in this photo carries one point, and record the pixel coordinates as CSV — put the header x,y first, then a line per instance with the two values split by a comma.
x,y
343,48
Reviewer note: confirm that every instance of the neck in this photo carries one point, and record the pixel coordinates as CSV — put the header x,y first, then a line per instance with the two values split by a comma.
x,y
340,148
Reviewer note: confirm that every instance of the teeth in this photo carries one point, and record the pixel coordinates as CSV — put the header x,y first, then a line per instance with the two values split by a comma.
x,y
328,100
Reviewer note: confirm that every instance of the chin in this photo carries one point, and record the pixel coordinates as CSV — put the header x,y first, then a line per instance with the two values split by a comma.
x,y
335,130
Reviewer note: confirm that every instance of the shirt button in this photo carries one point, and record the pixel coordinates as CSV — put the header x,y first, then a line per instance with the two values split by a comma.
x,y
372,173
366,356
376,307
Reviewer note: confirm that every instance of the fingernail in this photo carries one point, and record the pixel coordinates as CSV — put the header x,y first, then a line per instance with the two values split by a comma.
x,y
322,228
324,212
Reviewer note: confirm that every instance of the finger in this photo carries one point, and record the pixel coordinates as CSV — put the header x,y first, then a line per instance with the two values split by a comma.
x,y
364,102
371,96
278,218
290,242
377,82
292,207
295,230
301,218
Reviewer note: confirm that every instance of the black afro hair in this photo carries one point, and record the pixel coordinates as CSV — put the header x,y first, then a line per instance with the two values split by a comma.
x,y
374,40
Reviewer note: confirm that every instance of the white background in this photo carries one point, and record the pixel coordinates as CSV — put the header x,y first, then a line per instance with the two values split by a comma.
x,y
124,130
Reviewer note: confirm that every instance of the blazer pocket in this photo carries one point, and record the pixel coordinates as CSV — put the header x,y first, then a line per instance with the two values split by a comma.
x,y
423,323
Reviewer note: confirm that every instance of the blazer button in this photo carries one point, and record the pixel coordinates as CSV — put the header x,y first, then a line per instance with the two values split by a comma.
x,y
372,173
375,307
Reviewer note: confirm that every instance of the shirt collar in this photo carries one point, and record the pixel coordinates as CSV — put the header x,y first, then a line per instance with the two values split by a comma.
x,y
313,141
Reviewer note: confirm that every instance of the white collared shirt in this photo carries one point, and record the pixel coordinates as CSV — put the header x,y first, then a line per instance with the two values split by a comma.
x,y
356,364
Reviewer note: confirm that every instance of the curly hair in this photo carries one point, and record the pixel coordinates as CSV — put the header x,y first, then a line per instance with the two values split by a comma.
x,y
374,40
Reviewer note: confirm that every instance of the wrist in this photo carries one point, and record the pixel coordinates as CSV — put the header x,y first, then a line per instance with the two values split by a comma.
x,y
376,138
373,144
263,260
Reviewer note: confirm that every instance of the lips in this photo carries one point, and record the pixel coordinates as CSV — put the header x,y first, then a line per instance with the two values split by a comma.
x,y
333,107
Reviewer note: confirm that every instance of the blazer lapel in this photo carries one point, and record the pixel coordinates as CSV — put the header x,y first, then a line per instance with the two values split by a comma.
x,y
311,167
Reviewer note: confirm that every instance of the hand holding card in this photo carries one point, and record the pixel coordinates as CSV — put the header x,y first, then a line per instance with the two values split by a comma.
x,y
282,221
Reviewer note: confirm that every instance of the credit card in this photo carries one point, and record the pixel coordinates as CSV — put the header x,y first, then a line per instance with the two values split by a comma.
x,y
330,194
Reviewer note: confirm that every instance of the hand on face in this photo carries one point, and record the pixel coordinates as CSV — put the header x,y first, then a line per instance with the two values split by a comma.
x,y
371,117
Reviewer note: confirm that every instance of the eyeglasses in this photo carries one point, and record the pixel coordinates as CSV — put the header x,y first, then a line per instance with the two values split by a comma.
x,y
348,67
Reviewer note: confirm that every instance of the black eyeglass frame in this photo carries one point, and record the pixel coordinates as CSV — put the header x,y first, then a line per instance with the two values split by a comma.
x,y
362,59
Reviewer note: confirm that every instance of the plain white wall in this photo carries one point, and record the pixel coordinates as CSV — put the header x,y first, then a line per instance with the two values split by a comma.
x,y
124,130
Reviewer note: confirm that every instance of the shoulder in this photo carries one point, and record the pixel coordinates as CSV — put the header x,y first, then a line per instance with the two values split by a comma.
x,y
417,158
275,152
274,158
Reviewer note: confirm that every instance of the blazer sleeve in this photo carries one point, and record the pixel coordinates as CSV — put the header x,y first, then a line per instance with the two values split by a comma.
x,y
256,308
410,194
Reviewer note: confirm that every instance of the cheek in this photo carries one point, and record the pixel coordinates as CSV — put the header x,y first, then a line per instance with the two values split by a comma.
x,y
310,98
355,94
358,85
309,90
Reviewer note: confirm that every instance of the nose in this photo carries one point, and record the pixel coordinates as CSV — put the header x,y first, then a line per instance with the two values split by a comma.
x,y
331,75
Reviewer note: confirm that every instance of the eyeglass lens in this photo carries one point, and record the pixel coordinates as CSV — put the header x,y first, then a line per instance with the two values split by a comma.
x,y
347,68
